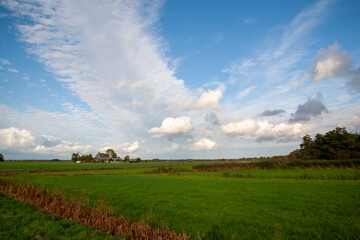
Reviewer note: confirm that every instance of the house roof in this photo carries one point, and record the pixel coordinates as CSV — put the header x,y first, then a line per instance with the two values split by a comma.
x,y
106,158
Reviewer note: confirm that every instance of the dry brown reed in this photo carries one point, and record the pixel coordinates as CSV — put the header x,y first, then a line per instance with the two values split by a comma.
x,y
56,203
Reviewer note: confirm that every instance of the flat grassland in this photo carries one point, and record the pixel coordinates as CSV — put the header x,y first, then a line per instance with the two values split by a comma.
x,y
233,204
19,221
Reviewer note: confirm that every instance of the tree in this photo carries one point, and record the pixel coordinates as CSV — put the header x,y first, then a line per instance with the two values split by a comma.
x,y
75,157
111,153
335,144
126,158
2,159
138,159
99,154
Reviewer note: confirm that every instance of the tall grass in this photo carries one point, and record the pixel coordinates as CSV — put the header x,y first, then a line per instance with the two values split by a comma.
x,y
175,171
304,176
317,164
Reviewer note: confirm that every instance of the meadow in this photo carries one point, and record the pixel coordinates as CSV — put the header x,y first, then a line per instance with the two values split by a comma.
x,y
19,221
222,204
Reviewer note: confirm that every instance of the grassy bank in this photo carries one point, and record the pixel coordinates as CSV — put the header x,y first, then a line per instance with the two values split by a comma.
x,y
19,221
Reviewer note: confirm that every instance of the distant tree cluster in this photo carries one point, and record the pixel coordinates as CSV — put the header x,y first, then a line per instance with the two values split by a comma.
x,y
84,158
110,153
2,159
334,145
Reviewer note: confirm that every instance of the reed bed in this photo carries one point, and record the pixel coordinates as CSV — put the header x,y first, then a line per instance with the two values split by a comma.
x,y
298,164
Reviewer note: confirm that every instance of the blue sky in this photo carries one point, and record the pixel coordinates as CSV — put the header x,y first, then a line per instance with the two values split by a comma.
x,y
175,79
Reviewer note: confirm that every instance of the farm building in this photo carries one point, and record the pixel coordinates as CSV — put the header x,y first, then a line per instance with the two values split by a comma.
x,y
106,159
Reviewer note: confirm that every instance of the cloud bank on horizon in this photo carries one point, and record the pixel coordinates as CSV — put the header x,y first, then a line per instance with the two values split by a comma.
x,y
80,76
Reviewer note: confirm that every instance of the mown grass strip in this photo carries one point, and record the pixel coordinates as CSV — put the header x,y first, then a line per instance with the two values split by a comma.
x,y
56,204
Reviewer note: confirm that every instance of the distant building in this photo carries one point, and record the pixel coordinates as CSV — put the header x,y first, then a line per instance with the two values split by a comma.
x,y
107,159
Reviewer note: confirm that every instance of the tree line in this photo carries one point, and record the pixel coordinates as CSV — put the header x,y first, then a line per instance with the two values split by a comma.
x,y
336,144
110,153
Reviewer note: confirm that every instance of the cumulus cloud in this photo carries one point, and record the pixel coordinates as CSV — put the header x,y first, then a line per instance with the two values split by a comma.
x,y
207,101
269,113
240,127
14,140
123,148
332,62
265,131
173,148
204,144
172,127
281,132
21,140
310,109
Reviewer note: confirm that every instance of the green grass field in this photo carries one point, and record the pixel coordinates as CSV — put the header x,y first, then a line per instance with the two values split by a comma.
x,y
6,166
19,221
265,204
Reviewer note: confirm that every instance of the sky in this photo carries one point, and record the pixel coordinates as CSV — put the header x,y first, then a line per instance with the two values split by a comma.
x,y
175,79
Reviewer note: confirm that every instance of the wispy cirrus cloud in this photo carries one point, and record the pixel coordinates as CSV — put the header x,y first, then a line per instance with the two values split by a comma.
x,y
280,58
112,60
249,20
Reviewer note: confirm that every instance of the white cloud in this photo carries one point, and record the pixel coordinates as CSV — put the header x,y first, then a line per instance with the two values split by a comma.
x,y
14,140
265,131
329,63
242,94
172,127
282,132
250,20
207,101
123,148
12,70
94,55
63,148
204,144
240,127
173,148
121,84
4,61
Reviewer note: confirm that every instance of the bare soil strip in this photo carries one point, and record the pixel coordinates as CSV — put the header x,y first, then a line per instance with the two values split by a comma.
x,y
95,218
